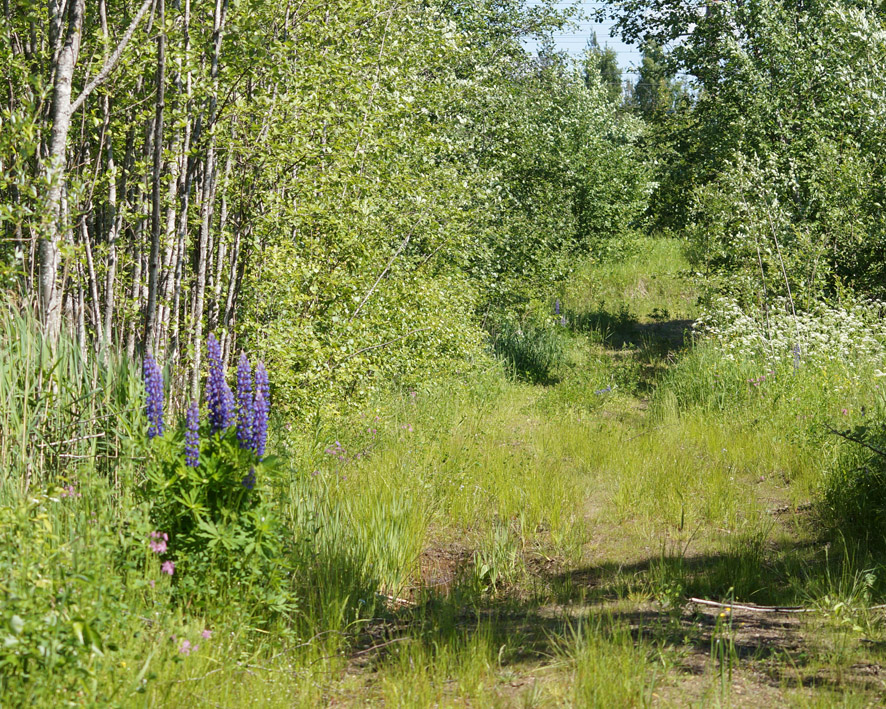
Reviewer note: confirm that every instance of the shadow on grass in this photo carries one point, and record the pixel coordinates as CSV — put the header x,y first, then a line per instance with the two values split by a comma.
x,y
622,329
653,345
761,574
529,631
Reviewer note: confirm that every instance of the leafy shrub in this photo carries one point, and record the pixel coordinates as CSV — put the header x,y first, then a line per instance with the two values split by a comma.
x,y
531,348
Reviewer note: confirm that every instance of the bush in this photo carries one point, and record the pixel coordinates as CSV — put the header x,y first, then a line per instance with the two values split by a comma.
x,y
855,491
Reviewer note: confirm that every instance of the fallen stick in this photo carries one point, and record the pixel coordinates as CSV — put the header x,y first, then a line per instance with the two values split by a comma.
x,y
769,609
395,600
753,609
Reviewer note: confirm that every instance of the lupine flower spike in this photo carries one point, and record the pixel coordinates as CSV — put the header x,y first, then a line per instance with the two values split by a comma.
x,y
154,391
262,383
260,411
219,397
192,436
260,425
244,403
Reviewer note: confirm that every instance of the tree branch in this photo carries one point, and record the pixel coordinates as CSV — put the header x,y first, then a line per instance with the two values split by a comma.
x,y
375,347
112,61
848,437
387,268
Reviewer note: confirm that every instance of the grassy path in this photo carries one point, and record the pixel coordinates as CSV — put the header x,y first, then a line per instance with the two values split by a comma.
x,y
486,543
560,529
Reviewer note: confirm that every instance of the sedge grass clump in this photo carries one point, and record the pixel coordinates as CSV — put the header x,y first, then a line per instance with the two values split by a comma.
x,y
200,485
64,414
609,668
531,347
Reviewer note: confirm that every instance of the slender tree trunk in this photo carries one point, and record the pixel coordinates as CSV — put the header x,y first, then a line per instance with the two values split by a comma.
x,y
93,282
154,261
184,189
206,205
203,257
114,226
181,249
170,257
222,252
138,291
81,313
63,65
111,266
234,277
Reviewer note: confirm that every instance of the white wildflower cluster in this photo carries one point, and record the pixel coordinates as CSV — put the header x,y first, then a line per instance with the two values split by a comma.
x,y
856,332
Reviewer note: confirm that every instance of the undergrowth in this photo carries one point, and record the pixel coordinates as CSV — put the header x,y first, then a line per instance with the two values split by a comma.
x,y
487,541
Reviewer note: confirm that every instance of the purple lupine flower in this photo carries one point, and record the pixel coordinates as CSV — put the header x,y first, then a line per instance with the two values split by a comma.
x,y
260,424
154,392
230,405
262,383
192,436
557,307
249,481
219,397
244,403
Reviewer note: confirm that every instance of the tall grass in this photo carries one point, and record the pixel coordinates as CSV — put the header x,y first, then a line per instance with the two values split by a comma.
x,y
63,415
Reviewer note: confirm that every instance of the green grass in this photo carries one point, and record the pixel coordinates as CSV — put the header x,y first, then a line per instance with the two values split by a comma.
x,y
483,542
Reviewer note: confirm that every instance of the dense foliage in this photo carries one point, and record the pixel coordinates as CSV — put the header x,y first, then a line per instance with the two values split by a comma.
x,y
344,187
775,168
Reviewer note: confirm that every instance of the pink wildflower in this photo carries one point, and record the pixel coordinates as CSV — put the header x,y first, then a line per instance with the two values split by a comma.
x,y
206,634
158,542
168,567
70,491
